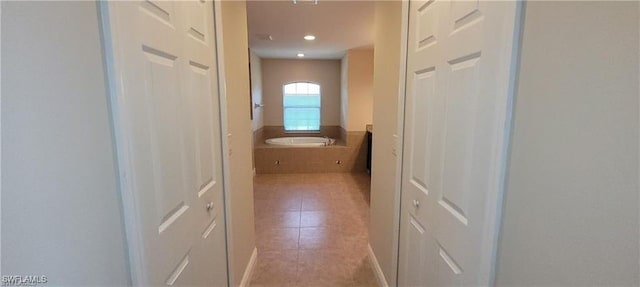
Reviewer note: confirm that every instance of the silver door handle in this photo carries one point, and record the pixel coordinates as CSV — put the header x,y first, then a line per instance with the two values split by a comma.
x,y
209,206
416,203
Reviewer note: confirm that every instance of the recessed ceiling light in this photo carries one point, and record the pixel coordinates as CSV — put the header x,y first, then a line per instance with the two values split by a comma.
x,y
309,37
300,55
314,2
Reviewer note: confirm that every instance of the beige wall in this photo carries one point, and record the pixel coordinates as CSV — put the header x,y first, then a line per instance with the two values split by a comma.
x,y
382,226
278,72
359,89
61,211
256,91
571,201
236,65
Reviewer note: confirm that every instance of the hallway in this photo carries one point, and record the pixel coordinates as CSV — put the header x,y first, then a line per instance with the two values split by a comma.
x,y
311,230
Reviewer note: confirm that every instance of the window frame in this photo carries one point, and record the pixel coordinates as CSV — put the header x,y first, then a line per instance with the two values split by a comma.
x,y
319,107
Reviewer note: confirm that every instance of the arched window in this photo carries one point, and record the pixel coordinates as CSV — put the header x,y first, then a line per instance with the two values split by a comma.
x,y
301,105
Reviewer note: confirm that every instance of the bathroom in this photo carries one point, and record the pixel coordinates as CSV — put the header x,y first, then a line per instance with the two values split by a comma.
x,y
342,80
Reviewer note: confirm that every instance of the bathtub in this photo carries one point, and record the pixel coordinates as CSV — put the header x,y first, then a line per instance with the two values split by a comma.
x,y
301,141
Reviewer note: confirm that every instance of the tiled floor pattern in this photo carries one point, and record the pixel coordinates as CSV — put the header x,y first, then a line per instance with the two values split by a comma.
x,y
311,230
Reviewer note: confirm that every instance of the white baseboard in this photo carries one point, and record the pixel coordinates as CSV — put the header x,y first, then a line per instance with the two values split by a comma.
x,y
382,282
248,272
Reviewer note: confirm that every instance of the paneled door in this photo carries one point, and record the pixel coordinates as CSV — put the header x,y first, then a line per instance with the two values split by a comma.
x,y
163,76
460,74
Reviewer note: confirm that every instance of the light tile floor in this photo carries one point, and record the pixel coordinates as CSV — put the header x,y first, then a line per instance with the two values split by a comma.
x,y
312,230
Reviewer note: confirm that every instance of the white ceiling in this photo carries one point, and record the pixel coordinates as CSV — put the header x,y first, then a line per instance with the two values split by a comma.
x,y
337,25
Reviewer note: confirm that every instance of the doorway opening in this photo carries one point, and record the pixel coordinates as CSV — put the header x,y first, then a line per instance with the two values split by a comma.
x,y
311,65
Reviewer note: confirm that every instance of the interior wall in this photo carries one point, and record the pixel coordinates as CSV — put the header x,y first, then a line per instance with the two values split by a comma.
x,y
61,211
256,91
382,232
278,72
571,204
236,65
359,89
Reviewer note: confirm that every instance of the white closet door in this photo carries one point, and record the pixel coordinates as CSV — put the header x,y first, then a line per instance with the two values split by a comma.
x,y
166,113
457,114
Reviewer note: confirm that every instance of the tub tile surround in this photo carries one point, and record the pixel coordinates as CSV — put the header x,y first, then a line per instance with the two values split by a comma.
x,y
350,150
312,230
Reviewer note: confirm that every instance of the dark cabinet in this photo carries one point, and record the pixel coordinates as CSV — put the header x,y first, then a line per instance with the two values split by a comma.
x,y
369,141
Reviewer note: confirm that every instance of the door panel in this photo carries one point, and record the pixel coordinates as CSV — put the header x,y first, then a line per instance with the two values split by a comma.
x,y
424,84
461,103
201,69
463,12
422,254
167,125
458,77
